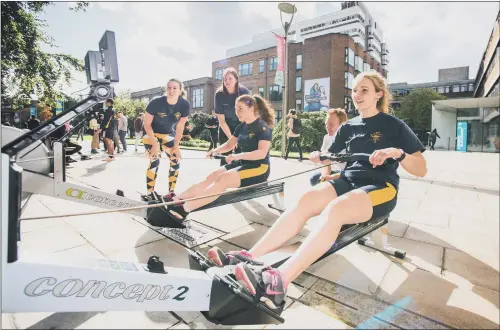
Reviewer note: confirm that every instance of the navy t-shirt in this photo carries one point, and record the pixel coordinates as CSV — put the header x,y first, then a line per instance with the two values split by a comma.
x,y
365,135
249,136
166,116
109,122
225,105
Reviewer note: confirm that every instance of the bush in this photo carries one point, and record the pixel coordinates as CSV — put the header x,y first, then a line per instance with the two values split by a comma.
x,y
195,143
198,120
311,136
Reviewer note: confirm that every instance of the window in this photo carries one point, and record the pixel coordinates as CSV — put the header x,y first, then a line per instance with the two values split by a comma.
x,y
298,84
463,88
273,63
262,65
197,97
471,87
245,69
456,88
366,67
277,115
441,90
299,61
447,89
358,63
351,57
298,105
346,55
262,92
348,105
275,93
348,79
218,74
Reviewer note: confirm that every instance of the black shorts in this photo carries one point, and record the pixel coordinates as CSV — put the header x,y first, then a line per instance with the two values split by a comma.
x,y
382,194
250,173
110,134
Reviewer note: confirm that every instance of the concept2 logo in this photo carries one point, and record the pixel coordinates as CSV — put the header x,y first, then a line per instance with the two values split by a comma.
x,y
83,195
101,289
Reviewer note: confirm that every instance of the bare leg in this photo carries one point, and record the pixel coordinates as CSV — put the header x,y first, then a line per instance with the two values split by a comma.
x,y
353,207
198,188
229,179
292,221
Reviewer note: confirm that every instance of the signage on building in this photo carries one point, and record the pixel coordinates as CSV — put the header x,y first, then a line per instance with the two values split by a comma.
x,y
317,94
59,106
462,136
280,48
32,110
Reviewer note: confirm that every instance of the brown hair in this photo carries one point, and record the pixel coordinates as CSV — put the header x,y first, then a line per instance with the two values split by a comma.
x,y
223,88
181,87
339,112
260,104
380,86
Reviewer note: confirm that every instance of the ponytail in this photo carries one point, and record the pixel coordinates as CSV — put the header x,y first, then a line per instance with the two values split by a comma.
x,y
265,110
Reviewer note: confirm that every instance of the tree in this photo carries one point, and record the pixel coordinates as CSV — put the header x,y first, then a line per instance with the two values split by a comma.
x,y
130,108
416,108
311,135
25,67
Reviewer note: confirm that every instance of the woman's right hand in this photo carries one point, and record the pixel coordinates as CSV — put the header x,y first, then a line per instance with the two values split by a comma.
x,y
155,150
314,156
210,153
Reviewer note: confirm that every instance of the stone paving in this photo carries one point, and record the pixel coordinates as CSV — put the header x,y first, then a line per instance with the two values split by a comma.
x,y
448,223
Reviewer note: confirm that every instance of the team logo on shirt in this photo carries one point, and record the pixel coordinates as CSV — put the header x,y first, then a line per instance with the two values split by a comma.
x,y
251,135
177,115
162,115
376,136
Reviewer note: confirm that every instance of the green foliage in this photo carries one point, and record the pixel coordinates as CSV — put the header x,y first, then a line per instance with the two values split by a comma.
x,y
25,67
416,108
198,120
311,136
195,143
130,108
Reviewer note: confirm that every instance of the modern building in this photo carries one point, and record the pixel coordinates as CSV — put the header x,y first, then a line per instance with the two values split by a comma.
x,y
199,91
452,83
473,124
324,55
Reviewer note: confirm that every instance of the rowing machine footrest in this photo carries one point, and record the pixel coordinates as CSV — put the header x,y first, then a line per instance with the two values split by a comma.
x,y
246,194
159,217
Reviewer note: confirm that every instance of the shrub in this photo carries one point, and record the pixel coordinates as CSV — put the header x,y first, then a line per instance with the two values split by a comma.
x,y
198,120
195,143
311,136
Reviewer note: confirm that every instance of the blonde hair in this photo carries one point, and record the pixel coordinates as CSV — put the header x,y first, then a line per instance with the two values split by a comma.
x,y
181,87
339,112
380,86
260,104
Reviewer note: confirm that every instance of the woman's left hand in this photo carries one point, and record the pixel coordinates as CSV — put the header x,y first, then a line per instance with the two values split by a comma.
x,y
378,157
232,157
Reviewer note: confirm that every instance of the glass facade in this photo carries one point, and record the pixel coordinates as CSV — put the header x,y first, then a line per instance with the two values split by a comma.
x,y
483,128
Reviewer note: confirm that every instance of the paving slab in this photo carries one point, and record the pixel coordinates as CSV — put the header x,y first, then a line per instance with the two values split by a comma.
x,y
355,266
439,299
471,269
247,236
419,255
394,314
130,320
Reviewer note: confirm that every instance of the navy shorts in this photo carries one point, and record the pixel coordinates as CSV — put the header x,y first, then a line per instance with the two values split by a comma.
x,y
382,194
110,134
250,173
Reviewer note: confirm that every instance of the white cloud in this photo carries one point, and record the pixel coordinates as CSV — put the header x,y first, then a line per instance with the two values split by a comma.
x,y
111,6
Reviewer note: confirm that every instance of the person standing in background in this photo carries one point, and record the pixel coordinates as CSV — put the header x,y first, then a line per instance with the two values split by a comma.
x,y
294,128
122,129
212,124
138,128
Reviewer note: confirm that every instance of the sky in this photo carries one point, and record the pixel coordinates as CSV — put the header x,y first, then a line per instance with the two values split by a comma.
x,y
159,40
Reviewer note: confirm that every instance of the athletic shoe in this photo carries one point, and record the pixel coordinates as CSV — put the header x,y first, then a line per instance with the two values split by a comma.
x,y
267,282
177,211
219,258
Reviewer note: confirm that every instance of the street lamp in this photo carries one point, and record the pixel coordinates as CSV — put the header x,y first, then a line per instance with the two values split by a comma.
x,y
290,9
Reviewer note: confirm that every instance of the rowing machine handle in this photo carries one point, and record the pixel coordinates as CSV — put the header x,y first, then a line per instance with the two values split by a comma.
x,y
342,158
218,156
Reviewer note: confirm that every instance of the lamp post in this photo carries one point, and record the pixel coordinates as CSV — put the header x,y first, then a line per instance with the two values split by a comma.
x,y
290,9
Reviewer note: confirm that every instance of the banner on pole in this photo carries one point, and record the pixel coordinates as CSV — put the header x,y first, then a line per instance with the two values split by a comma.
x,y
280,49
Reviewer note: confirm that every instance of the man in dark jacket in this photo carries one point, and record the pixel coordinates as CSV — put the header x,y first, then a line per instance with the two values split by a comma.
x,y
33,123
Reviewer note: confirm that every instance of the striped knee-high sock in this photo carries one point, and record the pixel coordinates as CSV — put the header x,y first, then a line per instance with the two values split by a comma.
x,y
151,174
173,173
